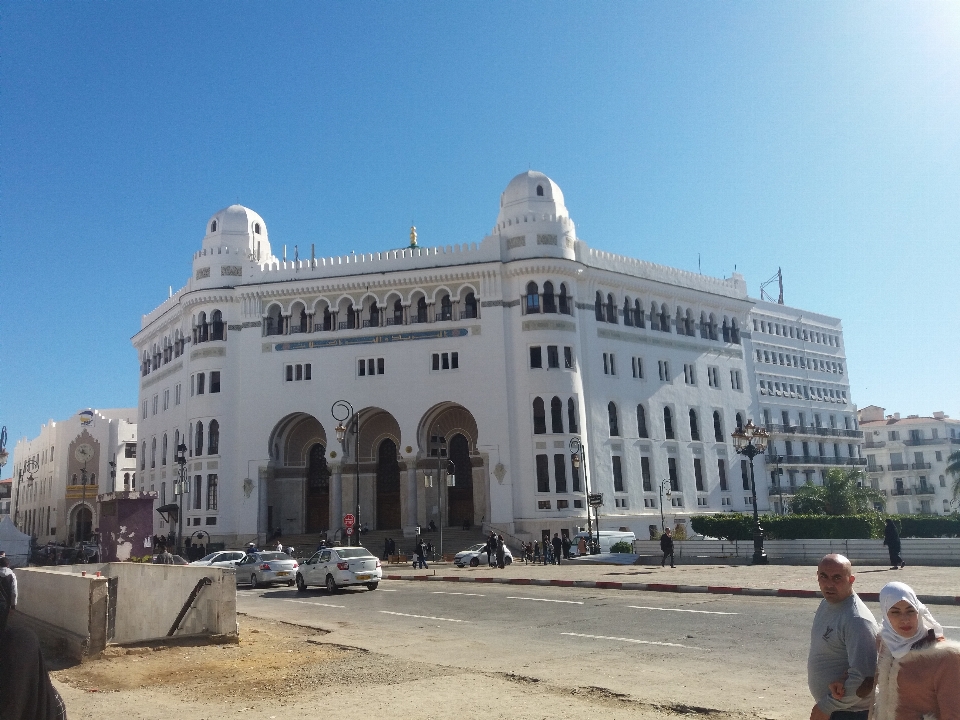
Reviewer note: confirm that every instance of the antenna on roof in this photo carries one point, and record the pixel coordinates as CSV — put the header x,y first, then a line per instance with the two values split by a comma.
x,y
764,295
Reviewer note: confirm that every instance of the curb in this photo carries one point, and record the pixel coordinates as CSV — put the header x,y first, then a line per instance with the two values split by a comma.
x,y
662,587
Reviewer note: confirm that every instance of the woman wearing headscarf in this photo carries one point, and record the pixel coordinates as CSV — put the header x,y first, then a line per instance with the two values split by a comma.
x,y
918,670
891,538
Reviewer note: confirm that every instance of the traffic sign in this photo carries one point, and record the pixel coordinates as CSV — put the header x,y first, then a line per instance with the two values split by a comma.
x,y
349,521
595,499
349,530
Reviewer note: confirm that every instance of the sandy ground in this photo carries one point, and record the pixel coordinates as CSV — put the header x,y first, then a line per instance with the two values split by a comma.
x,y
280,670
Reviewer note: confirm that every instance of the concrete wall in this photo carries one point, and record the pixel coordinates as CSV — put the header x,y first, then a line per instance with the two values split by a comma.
x,y
915,551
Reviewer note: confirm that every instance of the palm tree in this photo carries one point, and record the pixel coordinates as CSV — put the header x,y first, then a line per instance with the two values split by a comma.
x,y
843,493
953,467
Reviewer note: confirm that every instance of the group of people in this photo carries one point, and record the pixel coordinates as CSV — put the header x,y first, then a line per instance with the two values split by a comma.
x,y
901,669
550,553
496,551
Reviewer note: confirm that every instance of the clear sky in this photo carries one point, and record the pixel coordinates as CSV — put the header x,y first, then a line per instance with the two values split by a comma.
x,y
821,137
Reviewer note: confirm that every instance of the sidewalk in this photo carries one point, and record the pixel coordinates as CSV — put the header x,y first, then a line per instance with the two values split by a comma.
x,y
934,585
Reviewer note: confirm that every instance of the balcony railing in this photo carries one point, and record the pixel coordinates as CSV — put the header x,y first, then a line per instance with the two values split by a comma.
x,y
902,491
924,441
920,466
898,466
813,430
777,490
816,460
874,468
875,444
924,490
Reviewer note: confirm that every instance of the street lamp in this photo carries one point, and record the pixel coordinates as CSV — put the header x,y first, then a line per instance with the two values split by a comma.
x,y
576,457
181,459
451,472
665,489
751,441
29,466
345,409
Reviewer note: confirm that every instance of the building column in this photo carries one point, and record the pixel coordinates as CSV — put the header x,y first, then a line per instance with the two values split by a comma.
x,y
410,516
336,499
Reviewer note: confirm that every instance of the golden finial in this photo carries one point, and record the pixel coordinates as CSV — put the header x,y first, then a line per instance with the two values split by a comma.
x,y
413,236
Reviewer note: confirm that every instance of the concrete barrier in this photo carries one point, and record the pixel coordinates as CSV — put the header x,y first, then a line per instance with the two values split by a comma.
x,y
128,603
915,551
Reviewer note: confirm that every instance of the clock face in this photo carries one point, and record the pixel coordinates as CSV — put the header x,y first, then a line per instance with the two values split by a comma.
x,y
84,452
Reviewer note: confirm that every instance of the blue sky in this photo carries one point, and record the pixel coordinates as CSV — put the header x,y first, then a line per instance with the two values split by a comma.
x,y
822,137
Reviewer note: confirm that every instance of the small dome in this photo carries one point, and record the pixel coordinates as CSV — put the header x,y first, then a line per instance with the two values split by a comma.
x,y
239,229
531,192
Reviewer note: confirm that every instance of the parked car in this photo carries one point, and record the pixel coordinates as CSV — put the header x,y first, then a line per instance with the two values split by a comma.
x,y
477,555
222,559
338,567
177,560
262,568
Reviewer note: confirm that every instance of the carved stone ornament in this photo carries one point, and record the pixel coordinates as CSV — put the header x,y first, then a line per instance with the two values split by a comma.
x,y
234,270
203,273
247,487
499,472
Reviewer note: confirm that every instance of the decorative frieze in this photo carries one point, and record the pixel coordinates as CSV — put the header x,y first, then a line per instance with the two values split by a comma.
x,y
205,352
515,242
202,273
232,270
546,239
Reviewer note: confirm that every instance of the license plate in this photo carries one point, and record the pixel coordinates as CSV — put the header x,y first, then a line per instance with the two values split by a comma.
x,y
363,577
283,572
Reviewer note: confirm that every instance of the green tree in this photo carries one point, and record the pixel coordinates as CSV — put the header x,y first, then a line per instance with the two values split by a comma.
x,y
953,467
843,492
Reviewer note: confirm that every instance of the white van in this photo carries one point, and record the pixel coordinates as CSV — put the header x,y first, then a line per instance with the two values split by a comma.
x,y
608,538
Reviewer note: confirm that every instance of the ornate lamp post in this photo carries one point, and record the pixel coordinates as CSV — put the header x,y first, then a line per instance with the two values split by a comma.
x,y
342,411
28,467
181,458
576,457
665,490
751,441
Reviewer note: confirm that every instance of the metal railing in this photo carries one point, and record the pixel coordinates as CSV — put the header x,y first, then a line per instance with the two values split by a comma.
x,y
875,444
924,490
874,468
902,491
898,466
813,430
816,460
924,441
920,466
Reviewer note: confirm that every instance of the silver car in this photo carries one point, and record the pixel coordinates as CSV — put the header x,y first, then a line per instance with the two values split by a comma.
x,y
262,568
477,555
221,559
337,567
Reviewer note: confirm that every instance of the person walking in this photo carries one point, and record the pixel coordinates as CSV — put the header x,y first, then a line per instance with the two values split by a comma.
x,y
557,548
386,549
566,547
492,550
164,558
843,646
666,547
536,552
891,538
501,552
422,554
581,546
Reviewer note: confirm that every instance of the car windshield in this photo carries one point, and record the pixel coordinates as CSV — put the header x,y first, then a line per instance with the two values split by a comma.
x,y
477,547
348,553
275,556
211,556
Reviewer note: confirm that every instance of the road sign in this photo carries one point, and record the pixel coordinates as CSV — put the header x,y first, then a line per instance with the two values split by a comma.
x,y
349,530
595,499
349,521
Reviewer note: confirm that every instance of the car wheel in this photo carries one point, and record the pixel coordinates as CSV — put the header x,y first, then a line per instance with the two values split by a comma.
x,y
331,584
290,584
507,560
372,586
474,562
301,584
253,581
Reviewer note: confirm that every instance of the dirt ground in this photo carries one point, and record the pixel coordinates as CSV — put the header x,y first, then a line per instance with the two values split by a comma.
x,y
279,670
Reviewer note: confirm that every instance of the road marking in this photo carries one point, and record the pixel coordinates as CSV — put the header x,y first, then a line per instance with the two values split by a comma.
x,y
702,612
632,640
951,627
568,602
444,592
385,590
422,617
307,602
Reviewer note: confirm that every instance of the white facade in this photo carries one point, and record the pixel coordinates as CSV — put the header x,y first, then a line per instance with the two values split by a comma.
x,y
58,474
504,350
907,459
797,361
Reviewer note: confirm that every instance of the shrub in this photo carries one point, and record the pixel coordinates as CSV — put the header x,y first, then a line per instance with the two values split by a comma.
x,y
926,526
622,547
737,526
728,526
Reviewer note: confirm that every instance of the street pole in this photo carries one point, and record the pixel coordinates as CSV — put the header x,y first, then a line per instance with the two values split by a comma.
x,y
669,488
83,505
576,457
750,442
441,441
343,411
181,486
780,483
356,416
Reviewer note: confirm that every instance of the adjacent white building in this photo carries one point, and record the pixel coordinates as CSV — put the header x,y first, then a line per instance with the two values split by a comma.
x,y
489,355
906,459
58,474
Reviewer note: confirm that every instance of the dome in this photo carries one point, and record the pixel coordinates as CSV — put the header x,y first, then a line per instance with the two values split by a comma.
x,y
239,229
531,192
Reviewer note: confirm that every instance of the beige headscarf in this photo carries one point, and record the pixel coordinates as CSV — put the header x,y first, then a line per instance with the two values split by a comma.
x,y
890,595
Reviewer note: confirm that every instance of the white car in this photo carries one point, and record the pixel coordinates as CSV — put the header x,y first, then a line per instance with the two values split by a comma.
x,y
477,555
221,559
338,567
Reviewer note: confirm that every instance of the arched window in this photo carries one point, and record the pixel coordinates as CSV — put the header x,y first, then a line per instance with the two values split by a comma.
x,y
598,307
533,298
213,440
201,331
713,326
213,226
664,318
143,455
198,444
549,299
694,425
352,317
327,319
176,443
470,306
163,450
704,329
563,301
422,310
726,330
539,417
612,418
717,426
190,439
556,415
642,422
572,415
638,314
690,324
126,481
539,190
654,317
153,453
734,331
739,421
216,325
446,309
256,228
668,423
397,318
678,323
611,309
627,320
374,314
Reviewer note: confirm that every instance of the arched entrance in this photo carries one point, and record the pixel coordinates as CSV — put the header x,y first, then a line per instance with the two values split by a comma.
x,y
318,490
388,486
82,524
460,495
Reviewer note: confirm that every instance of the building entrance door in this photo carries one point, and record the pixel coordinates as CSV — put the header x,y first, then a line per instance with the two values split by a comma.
x,y
460,496
388,486
318,490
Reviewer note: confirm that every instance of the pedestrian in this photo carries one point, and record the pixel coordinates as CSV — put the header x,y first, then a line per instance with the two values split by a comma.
x,y
581,546
557,548
566,547
843,646
279,547
918,671
8,588
25,687
422,554
891,538
666,547
164,558
528,553
386,549
492,550
547,553
393,547
501,552
536,552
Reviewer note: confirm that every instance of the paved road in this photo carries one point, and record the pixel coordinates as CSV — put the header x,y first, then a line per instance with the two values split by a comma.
x,y
712,651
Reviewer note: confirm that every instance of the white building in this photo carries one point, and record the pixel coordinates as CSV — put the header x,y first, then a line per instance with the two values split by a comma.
x,y
907,459
494,354
58,474
797,361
